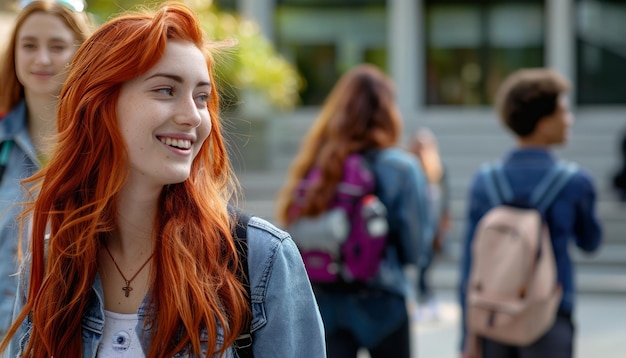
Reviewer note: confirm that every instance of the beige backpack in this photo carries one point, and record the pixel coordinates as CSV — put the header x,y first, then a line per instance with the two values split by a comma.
x,y
513,294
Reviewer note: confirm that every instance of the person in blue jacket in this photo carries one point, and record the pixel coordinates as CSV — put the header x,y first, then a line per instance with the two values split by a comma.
x,y
131,249
33,68
360,115
532,104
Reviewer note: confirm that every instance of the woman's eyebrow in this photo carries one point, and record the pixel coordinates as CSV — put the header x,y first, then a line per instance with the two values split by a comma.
x,y
177,78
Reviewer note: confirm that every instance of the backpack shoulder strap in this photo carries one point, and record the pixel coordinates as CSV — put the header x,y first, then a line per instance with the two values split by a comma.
x,y
552,183
497,186
369,157
370,154
5,149
243,343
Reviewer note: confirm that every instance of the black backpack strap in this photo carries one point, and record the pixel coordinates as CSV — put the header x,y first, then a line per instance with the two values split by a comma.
x,y
243,343
5,149
370,155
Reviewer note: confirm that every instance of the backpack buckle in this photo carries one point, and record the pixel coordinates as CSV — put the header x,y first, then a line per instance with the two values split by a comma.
x,y
243,341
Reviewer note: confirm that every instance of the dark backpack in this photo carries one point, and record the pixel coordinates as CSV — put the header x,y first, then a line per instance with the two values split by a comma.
x,y
243,343
346,243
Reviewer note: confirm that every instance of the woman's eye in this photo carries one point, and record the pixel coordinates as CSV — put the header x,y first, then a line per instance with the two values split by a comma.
x,y
165,90
202,98
58,48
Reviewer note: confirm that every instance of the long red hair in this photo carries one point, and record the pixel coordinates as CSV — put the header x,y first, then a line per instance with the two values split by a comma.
x,y
194,278
360,113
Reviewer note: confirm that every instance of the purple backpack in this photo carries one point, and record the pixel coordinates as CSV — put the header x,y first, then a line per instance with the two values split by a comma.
x,y
347,242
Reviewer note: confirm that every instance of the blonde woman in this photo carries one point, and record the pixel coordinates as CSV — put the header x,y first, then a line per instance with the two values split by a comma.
x,y
425,147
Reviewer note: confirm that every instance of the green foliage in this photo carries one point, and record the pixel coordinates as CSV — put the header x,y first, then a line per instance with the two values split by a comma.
x,y
102,10
250,63
253,64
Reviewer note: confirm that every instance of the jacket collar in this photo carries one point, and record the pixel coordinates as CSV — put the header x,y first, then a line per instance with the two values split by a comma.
x,y
14,122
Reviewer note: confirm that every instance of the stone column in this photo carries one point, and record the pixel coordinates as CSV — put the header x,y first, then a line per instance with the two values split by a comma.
x,y
405,55
560,47
262,12
252,123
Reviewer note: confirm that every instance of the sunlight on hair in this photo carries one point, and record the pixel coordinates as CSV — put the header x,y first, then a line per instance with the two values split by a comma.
x,y
76,5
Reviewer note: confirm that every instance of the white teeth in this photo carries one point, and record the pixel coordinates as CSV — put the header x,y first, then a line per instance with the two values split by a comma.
x,y
179,143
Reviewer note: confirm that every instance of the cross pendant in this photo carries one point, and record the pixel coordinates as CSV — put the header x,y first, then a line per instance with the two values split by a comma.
x,y
127,289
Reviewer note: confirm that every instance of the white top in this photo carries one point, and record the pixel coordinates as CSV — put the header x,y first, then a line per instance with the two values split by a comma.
x,y
119,339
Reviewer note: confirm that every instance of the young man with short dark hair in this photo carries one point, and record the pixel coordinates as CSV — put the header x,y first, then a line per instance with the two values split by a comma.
x,y
532,104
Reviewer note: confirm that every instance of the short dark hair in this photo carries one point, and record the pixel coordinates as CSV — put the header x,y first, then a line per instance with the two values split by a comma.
x,y
528,95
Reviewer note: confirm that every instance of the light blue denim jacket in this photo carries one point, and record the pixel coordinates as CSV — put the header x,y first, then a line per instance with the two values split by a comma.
x,y
21,163
401,185
286,321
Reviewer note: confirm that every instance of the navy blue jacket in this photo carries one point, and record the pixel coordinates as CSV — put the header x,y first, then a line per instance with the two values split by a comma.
x,y
572,215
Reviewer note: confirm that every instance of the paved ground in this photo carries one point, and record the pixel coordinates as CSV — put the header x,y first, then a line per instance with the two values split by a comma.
x,y
600,323
600,320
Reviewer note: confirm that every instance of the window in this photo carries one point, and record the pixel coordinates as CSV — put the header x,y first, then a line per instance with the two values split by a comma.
x,y
326,38
472,45
327,3
601,52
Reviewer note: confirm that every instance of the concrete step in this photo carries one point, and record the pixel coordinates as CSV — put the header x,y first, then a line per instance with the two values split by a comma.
x,y
611,214
265,183
614,231
605,280
261,189
467,138
609,255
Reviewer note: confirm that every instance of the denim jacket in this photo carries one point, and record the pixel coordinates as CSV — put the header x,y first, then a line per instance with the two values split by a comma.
x,y
21,163
401,185
572,215
286,321
371,316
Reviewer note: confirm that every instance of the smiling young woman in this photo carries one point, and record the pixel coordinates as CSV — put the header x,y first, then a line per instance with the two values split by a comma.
x,y
131,226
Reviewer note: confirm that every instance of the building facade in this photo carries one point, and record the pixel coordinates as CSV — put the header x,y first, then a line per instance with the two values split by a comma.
x,y
449,52
447,57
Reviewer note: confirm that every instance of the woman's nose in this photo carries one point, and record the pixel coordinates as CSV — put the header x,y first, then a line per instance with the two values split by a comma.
x,y
43,56
188,113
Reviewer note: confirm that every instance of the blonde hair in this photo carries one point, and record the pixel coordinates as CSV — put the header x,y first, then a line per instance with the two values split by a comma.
x,y
424,146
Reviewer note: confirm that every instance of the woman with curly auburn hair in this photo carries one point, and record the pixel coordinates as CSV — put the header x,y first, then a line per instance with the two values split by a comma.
x,y
33,68
132,253
360,115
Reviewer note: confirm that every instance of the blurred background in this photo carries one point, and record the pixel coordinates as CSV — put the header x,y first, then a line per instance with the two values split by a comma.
x,y
447,57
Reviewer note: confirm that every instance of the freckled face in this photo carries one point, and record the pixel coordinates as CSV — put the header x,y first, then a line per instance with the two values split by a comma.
x,y
44,45
163,115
